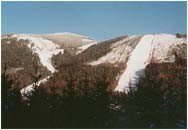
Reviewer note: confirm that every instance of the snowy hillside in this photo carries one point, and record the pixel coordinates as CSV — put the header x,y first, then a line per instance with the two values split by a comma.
x,y
162,43
120,51
43,47
150,47
47,45
135,52
84,47
137,62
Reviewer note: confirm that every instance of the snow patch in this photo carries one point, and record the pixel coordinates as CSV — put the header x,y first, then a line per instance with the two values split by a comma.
x,y
84,47
28,90
87,40
162,44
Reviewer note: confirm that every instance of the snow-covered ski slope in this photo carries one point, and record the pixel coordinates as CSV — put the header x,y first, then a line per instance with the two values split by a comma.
x,y
150,47
137,61
43,47
45,50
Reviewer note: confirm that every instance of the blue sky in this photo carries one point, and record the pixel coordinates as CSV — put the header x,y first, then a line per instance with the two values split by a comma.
x,y
99,20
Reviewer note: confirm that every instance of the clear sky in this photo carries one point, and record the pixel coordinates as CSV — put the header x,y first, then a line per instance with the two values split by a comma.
x,y
99,20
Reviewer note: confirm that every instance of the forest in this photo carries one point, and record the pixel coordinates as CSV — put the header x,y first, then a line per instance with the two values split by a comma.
x,y
81,96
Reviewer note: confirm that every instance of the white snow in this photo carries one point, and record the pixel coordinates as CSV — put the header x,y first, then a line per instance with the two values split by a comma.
x,y
150,47
84,47
87,40
29,88
162,43
119,53
8,42
66,34
43,47
137,62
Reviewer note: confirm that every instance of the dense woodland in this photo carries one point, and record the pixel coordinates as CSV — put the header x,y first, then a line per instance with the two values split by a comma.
x,y
78,96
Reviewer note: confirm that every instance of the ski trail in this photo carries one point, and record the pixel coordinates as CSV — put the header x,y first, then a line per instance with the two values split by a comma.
x,y
137,62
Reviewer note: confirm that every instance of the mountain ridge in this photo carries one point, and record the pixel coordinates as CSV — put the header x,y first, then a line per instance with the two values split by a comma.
x,y
115,51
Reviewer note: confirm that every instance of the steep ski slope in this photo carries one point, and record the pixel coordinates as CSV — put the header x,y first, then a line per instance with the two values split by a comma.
x,y
43,47
150,47
138,60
